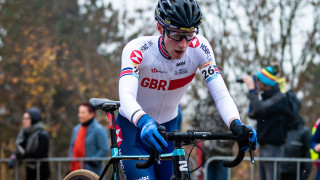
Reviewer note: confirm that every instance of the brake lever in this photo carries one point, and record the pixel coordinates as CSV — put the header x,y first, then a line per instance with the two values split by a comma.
x,y
157,159
251,152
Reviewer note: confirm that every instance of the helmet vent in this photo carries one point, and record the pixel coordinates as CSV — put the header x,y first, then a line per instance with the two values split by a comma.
x,y
178,13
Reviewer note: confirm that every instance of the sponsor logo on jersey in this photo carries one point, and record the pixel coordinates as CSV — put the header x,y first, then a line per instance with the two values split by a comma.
x,y
206,51
181,63
181,71
163,85
146,46
144,178
136,56
118,135
194,43
136,69
154,70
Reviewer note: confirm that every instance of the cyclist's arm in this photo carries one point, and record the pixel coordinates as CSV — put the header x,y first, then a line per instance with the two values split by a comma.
x,y
215,83
223,100
128,84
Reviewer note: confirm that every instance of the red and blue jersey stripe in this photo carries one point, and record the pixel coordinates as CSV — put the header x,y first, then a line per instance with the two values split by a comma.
x,y
163,52
126,71
216,69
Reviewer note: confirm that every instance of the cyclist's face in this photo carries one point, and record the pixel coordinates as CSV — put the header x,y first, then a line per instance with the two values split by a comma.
x,y
84,115
175,48
26,120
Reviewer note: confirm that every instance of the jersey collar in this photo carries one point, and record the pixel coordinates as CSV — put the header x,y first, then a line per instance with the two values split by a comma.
x,y
163,52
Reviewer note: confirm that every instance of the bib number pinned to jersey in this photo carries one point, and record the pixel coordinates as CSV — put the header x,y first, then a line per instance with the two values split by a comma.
x,y
208,72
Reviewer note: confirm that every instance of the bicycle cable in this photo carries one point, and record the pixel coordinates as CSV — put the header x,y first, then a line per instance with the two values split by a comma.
x,y
195,144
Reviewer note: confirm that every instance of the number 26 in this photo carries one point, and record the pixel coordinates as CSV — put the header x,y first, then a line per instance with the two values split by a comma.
x,y
207,72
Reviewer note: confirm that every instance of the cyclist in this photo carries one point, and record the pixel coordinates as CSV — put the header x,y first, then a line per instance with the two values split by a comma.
x,y
155,73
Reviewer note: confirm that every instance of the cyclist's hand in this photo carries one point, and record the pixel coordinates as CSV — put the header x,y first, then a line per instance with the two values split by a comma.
x,y
242,131
149,133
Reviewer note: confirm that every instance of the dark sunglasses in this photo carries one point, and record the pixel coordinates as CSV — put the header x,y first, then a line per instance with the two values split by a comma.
x,y
178,36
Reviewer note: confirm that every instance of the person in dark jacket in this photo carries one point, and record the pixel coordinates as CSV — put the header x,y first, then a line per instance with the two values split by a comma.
x,y
89,139
32,142
270,113
315,145
297,146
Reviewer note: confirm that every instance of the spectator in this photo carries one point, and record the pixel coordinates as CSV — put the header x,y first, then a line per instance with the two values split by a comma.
x,y
315,145
315,155
297,146
208,118
89,139
270,113
32,142
280,80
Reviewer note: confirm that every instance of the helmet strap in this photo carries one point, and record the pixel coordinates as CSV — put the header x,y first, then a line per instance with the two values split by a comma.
x,y
162,40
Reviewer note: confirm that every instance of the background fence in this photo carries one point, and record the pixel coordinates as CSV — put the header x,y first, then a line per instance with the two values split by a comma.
x,y
59,167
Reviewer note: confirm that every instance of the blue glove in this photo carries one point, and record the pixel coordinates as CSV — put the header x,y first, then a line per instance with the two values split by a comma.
x,y
150,135
242,131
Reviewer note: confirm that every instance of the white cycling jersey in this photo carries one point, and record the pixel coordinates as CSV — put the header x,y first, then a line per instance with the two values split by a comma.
x,y
152,83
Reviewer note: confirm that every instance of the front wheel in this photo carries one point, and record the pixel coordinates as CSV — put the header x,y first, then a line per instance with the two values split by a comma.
x,y
82,174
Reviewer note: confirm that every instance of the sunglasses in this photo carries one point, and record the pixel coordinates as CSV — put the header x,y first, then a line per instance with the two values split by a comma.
x,y
178,36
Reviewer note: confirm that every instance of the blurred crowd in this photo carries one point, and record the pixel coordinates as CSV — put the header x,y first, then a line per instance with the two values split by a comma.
x,y
88,139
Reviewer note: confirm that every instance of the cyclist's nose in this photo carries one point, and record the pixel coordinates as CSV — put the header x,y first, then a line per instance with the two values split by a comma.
x,y
183,43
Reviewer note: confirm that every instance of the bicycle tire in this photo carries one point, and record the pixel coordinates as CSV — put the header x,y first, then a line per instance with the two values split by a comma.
x,y
82,174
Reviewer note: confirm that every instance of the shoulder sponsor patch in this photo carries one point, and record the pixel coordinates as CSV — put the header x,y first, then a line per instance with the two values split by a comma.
x,y
194,43
136,56
206,50
209,72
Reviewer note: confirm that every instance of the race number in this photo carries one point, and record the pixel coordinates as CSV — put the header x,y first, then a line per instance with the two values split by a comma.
x,y
208,72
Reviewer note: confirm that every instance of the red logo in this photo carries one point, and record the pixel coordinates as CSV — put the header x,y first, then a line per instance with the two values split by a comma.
x,y
119,135
136,56
154,70
216,69
194,43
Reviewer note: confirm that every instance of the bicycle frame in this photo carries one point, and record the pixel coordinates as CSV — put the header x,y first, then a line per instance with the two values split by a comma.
x,y
180,163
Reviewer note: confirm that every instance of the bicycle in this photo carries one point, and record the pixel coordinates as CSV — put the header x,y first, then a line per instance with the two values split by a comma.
x,y
180,164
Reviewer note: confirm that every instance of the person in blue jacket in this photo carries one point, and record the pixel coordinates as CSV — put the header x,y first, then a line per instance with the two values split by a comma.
x,y
89,139
315,145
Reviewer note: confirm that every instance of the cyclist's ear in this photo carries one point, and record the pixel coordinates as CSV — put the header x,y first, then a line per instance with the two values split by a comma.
x,y
160,28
